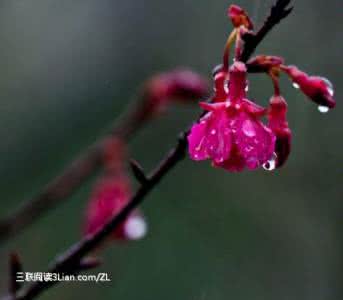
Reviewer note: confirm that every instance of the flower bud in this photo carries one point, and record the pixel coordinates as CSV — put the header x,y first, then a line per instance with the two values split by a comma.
x,y
277,122
239,17
180,85
263,63
109,196
318,89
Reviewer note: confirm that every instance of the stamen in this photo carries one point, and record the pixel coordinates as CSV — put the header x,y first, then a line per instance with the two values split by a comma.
x,y
238,46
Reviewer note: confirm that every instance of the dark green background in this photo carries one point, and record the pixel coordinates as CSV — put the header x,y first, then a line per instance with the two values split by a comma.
x,y
68,68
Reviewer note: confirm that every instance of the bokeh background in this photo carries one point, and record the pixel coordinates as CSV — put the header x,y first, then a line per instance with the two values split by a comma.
x,y
68,68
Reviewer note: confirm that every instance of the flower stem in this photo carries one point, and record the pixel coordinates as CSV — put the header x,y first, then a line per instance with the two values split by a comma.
x,y
226,55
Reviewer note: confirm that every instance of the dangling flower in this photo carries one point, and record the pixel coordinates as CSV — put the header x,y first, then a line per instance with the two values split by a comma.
x,y
231,133
318,89
111,193
277,119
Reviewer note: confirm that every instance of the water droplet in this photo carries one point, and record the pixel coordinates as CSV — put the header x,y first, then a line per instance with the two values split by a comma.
x,y
226,87
213,131
248,128
196,155
270,165
135,228
198,148
246,88
227,104
216,70
220,160
323,109
329,85
295,85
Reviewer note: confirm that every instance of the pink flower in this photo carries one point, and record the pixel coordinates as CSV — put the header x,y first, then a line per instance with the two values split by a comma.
x,y
108,198
318,89
231,133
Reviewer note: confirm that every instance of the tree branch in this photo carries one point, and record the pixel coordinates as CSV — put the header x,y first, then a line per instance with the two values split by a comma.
x,y
71,177
15,267
278,12
160,89
68,262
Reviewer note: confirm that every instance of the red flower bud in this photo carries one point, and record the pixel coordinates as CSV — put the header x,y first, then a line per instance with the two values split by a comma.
x,y
318,89
181,85
277,122
239,17
110,195
264,63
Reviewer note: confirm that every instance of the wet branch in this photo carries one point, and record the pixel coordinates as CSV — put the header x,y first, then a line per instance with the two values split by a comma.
x,y
278,12
72,177
69,262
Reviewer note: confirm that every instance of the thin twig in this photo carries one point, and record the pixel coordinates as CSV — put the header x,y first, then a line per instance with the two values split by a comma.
x,y
138,171
72,177
16,268
278,12
69,261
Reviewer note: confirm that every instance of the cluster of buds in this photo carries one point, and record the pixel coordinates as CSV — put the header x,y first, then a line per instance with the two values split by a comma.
x,y
231,132
111,193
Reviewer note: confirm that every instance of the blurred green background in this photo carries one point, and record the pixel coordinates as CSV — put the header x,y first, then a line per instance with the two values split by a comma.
x,y
68,68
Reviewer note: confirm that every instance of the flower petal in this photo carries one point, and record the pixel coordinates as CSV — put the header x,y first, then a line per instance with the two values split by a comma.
x,y
253,108
196,138
211,138
235,162
254,141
